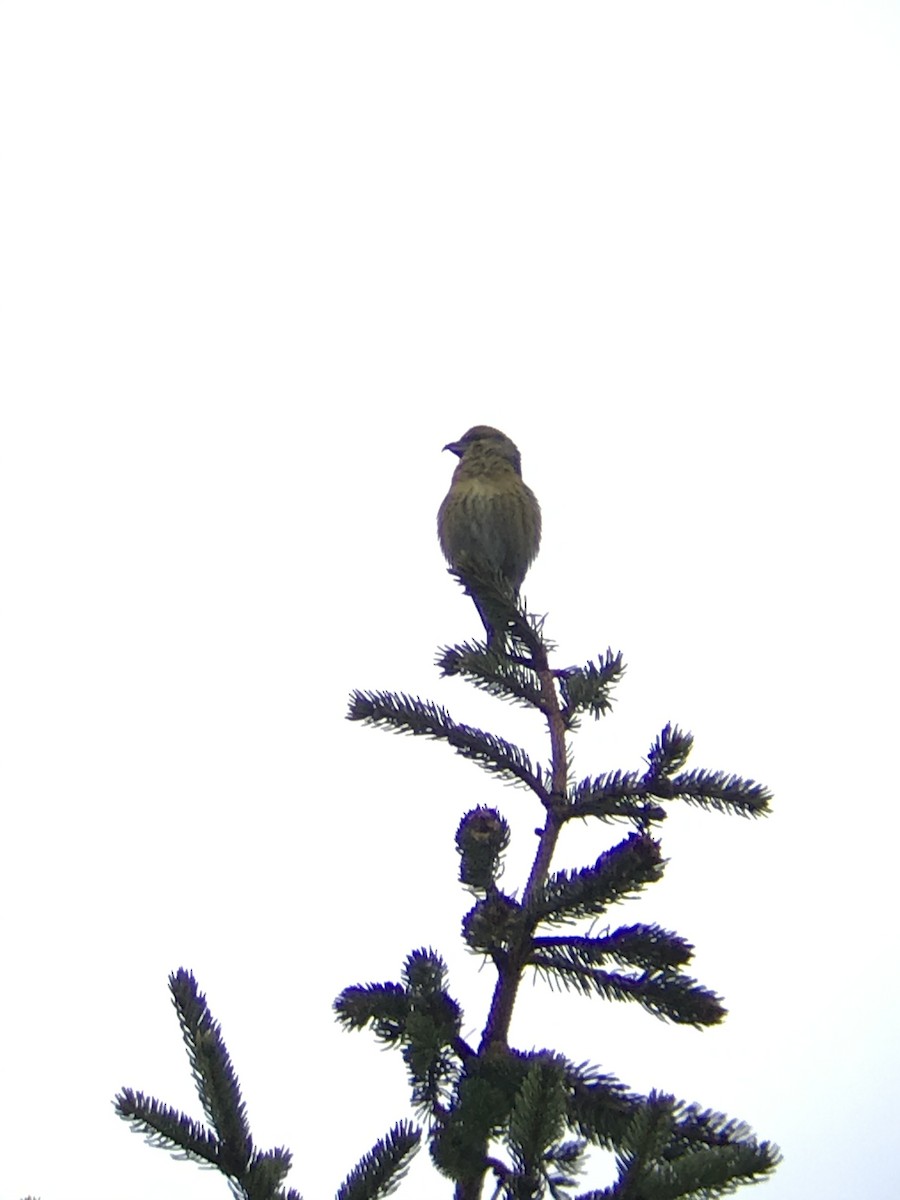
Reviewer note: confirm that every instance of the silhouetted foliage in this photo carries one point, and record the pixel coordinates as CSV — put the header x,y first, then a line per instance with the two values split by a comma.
x,y
526,1119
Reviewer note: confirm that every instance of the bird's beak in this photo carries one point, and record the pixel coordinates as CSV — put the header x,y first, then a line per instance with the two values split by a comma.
x,y
456,447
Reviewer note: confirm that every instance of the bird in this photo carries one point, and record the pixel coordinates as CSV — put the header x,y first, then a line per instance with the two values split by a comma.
x,y
490,520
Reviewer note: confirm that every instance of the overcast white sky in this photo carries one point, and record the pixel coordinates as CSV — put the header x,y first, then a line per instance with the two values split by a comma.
x,y
259,263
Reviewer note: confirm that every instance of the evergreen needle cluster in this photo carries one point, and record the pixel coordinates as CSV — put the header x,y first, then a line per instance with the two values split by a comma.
x,y
522,1121
527,1119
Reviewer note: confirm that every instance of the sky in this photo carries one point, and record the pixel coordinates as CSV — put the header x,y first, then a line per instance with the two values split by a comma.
x,y
258,264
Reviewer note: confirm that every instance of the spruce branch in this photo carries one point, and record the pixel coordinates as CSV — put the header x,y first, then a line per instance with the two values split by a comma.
x,y
380,1171
494,1110
664,993
432,1030
721,791
407,714
644,1142
634,795
422,1018
653,1161
668,753
214,1076
619,872
252,1174
384,1006
589,688
537,1125
599,1105
616,796
633,945
491,671
629,794
264,1175
167,1128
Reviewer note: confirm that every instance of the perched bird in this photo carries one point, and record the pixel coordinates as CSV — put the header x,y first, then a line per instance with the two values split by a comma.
x,y
490,519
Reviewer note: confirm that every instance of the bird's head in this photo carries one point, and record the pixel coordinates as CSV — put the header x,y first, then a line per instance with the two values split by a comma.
x,y
483,441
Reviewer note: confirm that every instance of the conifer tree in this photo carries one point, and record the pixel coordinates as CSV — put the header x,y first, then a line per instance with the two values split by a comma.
x,y
521,1121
